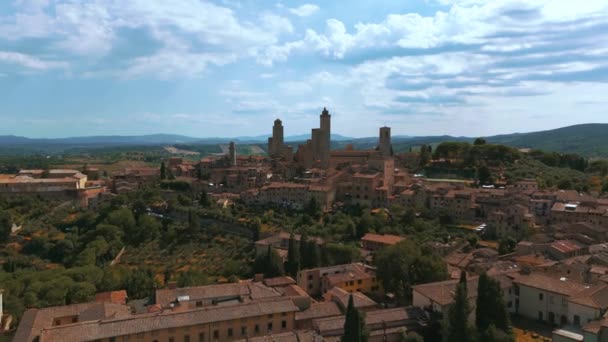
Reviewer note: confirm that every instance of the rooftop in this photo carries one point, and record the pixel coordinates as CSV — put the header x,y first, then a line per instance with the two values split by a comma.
x,y
385,239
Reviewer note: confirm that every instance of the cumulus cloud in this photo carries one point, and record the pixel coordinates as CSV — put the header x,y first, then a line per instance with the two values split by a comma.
x,y
29,62
304,10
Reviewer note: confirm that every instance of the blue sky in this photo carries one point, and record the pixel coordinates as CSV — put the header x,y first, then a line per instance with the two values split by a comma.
x,y
229,68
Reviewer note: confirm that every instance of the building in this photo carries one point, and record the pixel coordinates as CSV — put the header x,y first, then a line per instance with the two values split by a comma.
x,y
341,297
232,154
355,277
385,147
316,150
276,145
373,242
559,301
438,296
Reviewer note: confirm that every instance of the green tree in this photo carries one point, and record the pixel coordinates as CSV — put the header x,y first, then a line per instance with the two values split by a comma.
x,y
506,245
354,324
80,293
269,264
163,171
479,141
141,284
459,328
170,175
292,265
204,199
484,176
313,208
304,252
410,337
425,156
5,226
490,308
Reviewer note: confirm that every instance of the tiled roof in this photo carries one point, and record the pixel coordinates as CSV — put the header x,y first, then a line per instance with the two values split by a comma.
x,y
342,297
386,239
443,292
319,310
595,297
279,281
250,291
164,320
552,284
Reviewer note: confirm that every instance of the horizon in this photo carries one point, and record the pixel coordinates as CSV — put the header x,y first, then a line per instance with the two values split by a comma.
x,y
261,136
195,68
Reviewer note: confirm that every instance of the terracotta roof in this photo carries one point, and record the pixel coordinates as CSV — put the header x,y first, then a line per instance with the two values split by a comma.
x,y
279,281
388,317
594,297
294,336
565,246
319,310
443,292
552,284
342,297
35,320
385,239
164,320
118,297
251,291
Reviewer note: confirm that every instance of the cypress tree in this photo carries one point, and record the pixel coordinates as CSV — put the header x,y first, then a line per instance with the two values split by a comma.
x,y
273,266
315,254
292,265
352,323
304,252
163,171
490,307
459,329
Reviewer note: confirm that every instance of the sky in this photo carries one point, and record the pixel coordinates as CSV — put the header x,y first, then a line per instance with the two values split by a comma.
x,y
229,68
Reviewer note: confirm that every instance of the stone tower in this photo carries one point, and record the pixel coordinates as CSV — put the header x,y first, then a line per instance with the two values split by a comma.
x,y
384,142
275,143
232,153
324,138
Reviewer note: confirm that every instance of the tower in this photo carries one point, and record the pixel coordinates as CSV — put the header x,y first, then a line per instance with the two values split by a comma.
x,y
324,137
232,153
384,142
275,143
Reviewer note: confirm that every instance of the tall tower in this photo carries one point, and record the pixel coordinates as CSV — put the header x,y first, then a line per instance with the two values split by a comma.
x,y
325,138
384,142
232,153
275,143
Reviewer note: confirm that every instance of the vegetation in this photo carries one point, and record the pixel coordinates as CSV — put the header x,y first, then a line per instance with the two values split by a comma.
x,y
458,328
491,316
354,324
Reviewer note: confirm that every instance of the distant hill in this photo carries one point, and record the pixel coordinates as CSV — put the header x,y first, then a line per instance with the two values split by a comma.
x,y
588,139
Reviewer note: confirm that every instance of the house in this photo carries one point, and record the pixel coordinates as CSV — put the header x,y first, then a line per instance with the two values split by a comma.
x,y
355,277
373,242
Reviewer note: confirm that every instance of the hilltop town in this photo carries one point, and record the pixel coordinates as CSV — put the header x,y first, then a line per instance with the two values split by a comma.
x,y
303,243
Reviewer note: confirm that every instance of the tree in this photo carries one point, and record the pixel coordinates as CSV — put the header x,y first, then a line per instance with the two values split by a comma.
x,y
605,187
425,155
506,245
484,176
141,284
459,329
163,171
292,265
402,265
490,309
204,199
354,324
479,141
313,208
304,252
410,337
269,264
5,226
170,175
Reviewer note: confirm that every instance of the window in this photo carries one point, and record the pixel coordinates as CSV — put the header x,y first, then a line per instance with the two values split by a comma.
x,y
310,286
216,334
186,338
270,316
229,332
74,319
551,299
283,324
540,296
540,315
199,303
269,326
257,328
577,320
201,337
310,277
112,339
171,339
243,331
359,282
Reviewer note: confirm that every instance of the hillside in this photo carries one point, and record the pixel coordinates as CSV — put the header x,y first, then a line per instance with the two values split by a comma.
x,y
588,139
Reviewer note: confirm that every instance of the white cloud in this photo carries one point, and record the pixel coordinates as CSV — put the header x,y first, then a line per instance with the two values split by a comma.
x,y
304,10
29,62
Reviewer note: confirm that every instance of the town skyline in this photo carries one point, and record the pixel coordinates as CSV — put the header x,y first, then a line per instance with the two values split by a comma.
x,y
473,68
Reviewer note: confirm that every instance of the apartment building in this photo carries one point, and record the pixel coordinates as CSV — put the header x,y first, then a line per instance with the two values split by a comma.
x,y
355,277
373,242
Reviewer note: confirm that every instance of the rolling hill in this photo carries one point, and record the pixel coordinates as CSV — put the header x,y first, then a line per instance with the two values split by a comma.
x,y
587,139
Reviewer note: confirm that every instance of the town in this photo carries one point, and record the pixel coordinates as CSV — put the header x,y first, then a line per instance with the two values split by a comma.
x,y
476,252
